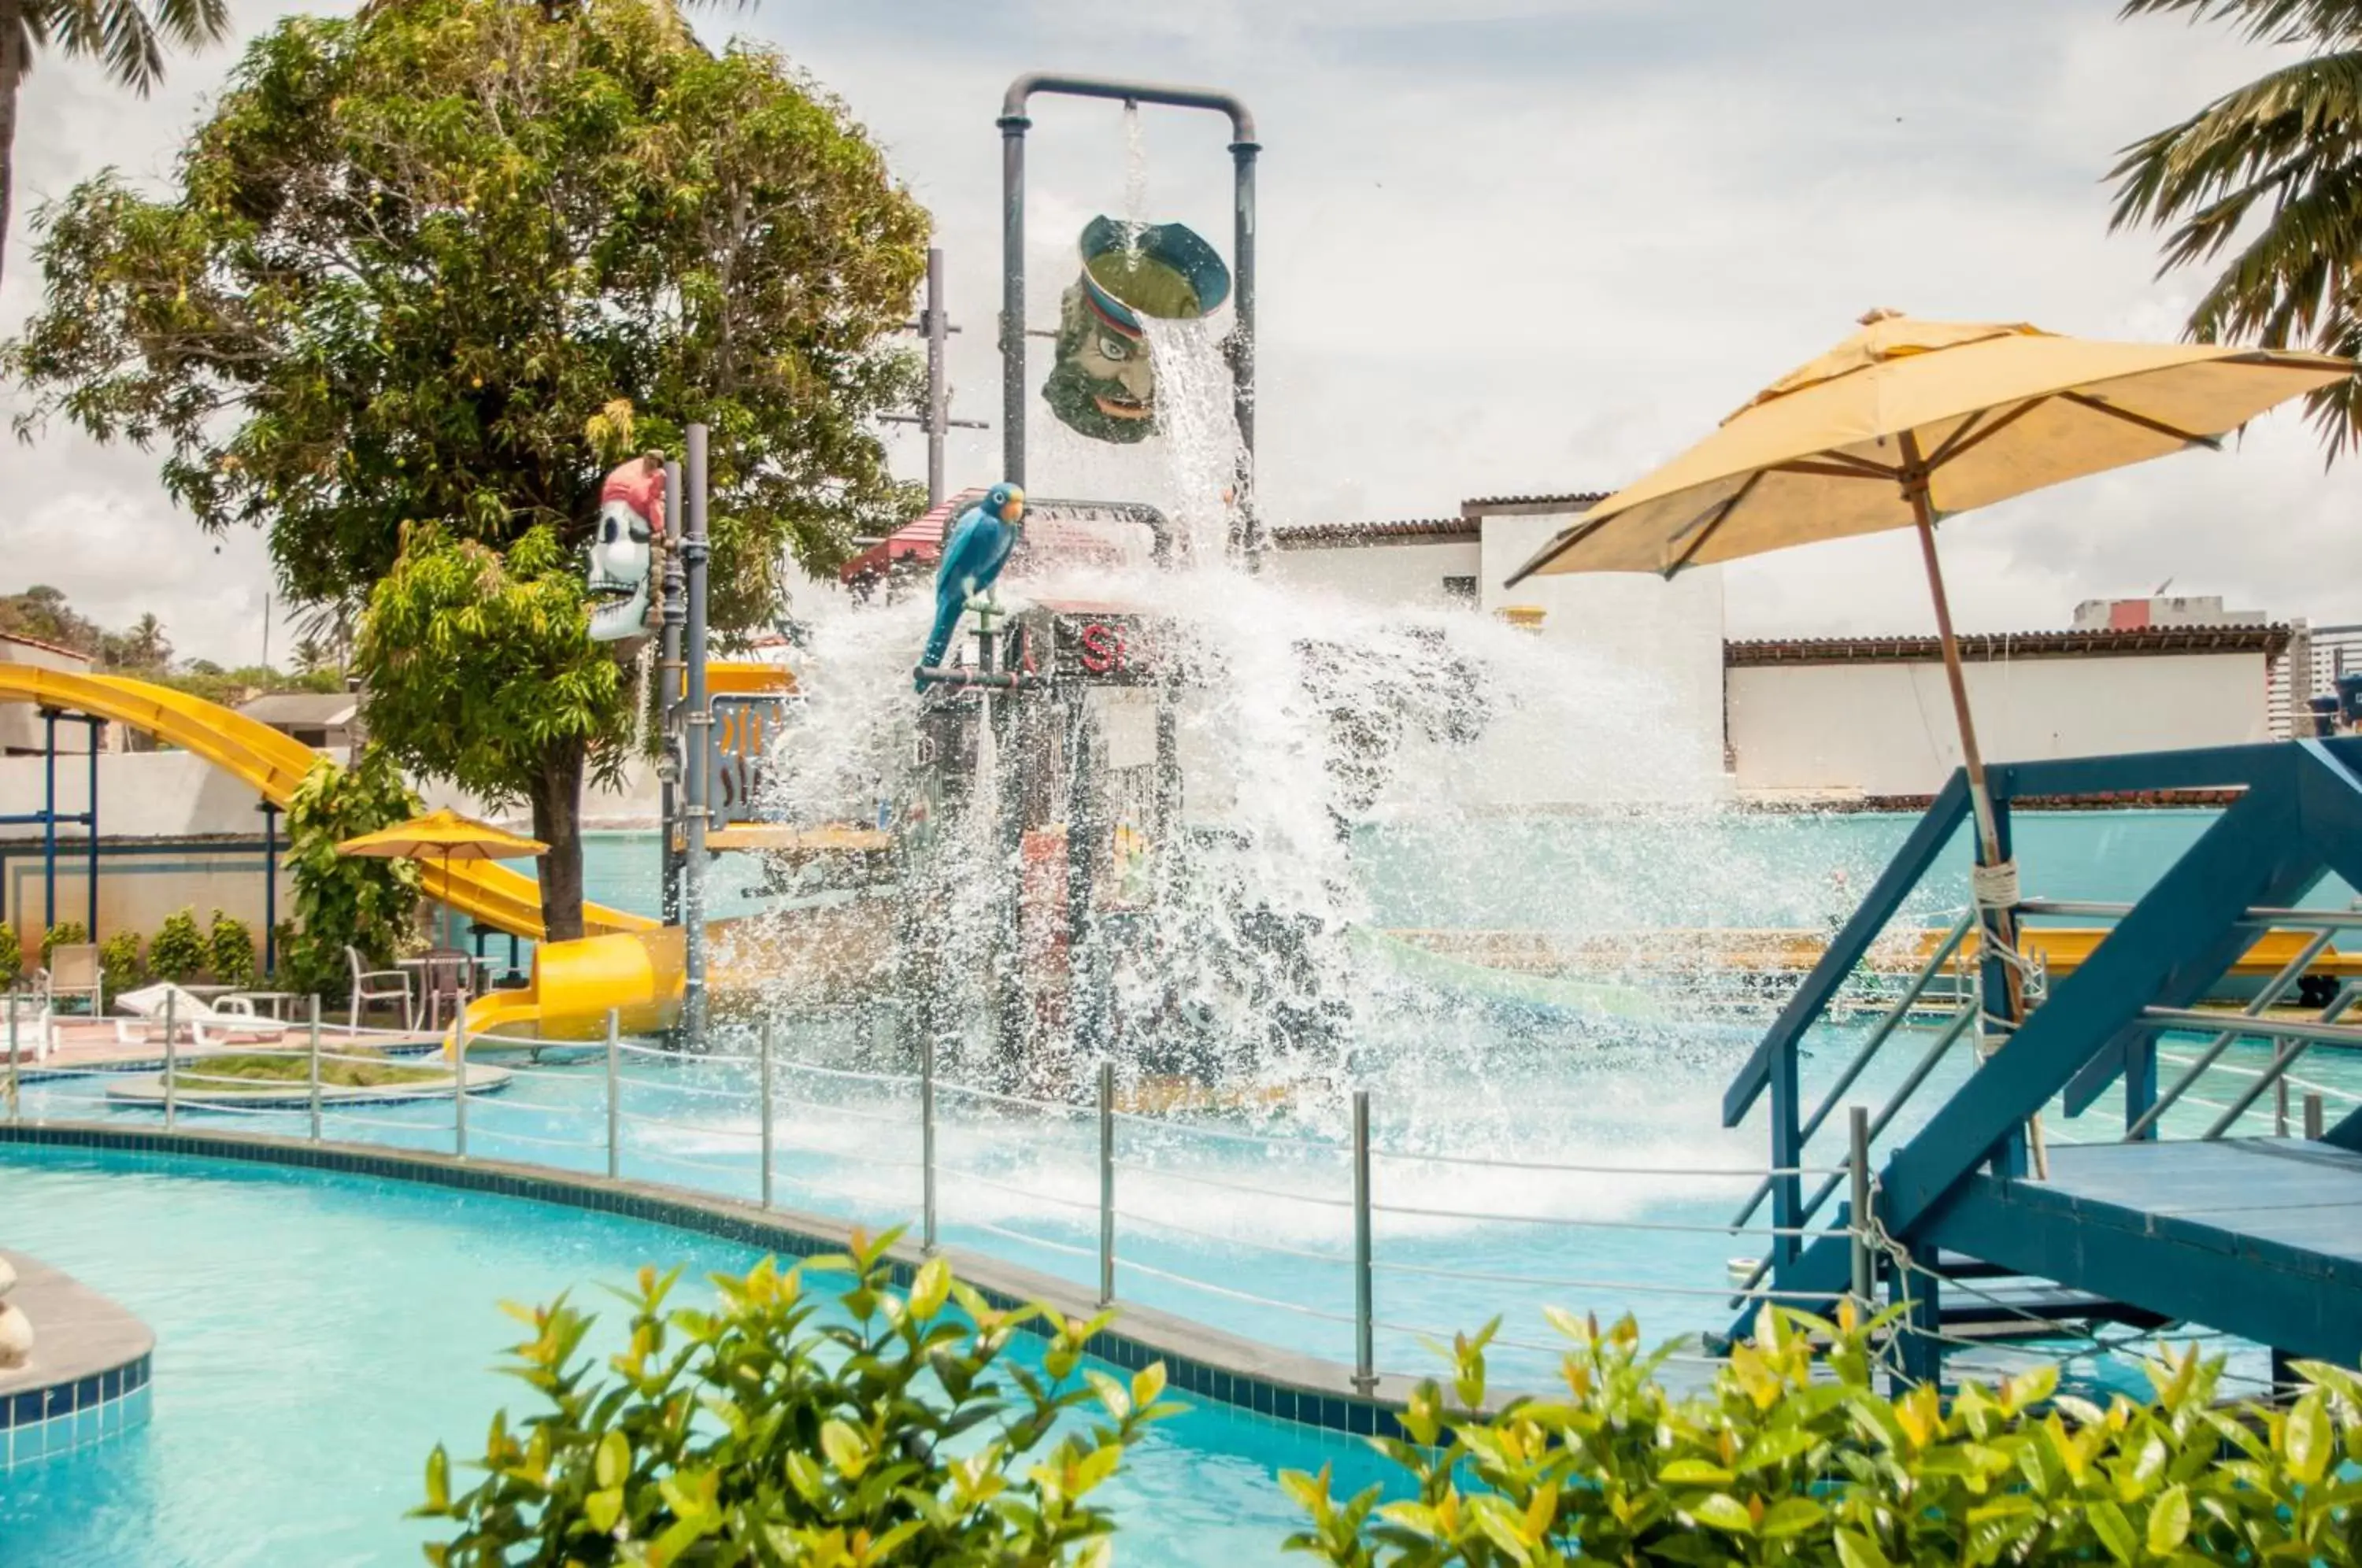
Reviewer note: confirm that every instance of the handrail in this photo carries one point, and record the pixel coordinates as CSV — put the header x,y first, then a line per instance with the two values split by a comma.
x,y
2273,991
2282,1061
1847,950
2332,920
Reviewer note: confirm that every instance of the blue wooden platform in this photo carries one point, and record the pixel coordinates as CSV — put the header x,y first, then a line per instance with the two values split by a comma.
x,y
2258,1237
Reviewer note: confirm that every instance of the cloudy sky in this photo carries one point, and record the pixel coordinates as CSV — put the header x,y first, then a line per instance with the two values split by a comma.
x,y
1507,245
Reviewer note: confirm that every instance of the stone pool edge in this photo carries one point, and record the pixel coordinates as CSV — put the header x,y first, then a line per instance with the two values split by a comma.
x,y
1206,1363
90,1369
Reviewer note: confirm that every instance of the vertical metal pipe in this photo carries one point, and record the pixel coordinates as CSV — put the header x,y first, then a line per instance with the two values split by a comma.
x,y
1858,1167
90,827
1106,1182
1246,537
16,1091
269,887
1365,1375
696,766
763,1072
939,392
48,820
459,1083
2281,1090
927,1141
614,1094
312,1064
2315,1121
172,1066
673,617
1012,297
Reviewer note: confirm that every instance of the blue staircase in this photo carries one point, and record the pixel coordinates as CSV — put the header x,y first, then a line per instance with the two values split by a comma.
x,y
2258,1237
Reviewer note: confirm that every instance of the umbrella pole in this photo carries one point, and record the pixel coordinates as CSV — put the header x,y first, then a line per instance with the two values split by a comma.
x,y
1999,921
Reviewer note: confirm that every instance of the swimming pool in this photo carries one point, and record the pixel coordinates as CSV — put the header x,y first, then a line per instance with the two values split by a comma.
x,y
317,1334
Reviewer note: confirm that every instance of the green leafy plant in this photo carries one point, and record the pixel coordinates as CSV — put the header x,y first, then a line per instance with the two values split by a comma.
x,y
180,952
229,951
1792,1457
118,962
765,1432
12,956
346,900
65,933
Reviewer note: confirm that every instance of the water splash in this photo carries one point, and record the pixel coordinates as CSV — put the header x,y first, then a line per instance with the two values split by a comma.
x,y
1135,170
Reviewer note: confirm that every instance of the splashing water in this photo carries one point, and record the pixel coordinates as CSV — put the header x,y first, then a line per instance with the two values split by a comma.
x,y
1135,170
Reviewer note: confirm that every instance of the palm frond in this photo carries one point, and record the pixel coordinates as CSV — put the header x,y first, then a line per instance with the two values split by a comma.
x,y
123,35
2265,21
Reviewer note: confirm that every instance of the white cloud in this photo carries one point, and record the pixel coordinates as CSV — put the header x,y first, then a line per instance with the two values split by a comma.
x,y
1507,244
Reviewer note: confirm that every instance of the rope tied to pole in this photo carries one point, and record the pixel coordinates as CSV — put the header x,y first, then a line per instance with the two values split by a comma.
x,y
1995,886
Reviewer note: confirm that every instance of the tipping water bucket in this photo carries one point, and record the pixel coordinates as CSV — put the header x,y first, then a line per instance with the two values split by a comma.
x,y
1103,386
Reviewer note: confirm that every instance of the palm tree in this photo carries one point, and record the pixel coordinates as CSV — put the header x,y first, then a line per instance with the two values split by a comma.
x,y
2275,170
128,41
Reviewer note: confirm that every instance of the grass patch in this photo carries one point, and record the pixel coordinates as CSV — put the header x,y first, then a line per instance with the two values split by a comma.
x,y
257,1072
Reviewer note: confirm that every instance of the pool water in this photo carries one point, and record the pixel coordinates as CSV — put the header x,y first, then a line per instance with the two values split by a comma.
x,y
317,1334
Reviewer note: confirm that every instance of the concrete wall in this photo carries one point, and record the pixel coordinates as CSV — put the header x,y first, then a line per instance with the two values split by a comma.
x,y
1668,631
1886,728
1381,573
136,892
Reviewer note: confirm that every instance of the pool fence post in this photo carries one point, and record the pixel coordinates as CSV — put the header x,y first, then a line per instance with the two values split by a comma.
x,y
2316,1120
764,1078
614,1104
1858,1169
15,1100
1366,1376
459,1083
172,1063
927,1141
1106,1182
312,1071
696,803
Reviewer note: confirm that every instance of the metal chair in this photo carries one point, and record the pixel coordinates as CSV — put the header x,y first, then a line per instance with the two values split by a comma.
x,y
447,975
378,985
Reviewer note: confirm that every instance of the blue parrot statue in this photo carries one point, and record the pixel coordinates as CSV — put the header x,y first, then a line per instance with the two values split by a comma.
x,y
976,546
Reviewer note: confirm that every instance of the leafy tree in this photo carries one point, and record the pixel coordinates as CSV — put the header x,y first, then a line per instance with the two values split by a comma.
x,y
125,39
900,1432
415,256
2271,168
118,962
229,950
42,613
480,669
11,956
346,900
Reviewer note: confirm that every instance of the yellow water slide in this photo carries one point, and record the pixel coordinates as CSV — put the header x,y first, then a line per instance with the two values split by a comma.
x,y
625,961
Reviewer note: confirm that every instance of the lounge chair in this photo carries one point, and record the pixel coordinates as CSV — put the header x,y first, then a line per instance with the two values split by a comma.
x,y
232,1023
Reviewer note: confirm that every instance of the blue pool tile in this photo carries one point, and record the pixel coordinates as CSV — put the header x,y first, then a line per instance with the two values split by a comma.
x,y
1362,1420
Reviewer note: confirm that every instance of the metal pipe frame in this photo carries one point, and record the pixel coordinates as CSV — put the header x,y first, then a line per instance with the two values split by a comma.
x,y
697,762
1366,1371
939,409
673,617
1106,1182
1246,537
2273,991
2261,914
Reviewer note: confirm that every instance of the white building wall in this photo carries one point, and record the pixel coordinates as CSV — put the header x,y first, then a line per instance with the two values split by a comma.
x,y
1666,632
1379,573
1886,727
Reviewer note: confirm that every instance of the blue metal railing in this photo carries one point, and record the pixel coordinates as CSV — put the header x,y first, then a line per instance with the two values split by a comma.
x,y
2296,816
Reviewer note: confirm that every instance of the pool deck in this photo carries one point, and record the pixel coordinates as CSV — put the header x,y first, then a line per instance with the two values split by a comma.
x,y
90,1361
83,1044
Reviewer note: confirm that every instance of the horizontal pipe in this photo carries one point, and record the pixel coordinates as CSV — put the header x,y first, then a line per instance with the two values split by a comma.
x,y
2329,920
1012,104
2268,1028
944,675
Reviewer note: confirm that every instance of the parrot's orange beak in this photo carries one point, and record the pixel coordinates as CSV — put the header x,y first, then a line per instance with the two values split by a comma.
x,y
1013,509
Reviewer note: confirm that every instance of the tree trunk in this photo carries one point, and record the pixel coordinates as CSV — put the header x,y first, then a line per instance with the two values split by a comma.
x,y
13,63
557,796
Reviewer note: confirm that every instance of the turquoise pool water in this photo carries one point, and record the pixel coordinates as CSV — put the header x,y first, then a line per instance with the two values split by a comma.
x,y
317,1334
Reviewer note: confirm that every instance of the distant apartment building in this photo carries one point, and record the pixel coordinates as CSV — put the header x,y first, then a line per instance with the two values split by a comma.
x,y
2181,610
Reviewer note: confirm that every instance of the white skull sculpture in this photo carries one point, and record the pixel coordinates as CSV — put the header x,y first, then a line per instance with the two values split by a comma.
x,y
631,514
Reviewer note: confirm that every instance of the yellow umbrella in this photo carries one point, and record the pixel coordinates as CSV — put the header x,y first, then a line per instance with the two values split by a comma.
x,y
1909,422
444,836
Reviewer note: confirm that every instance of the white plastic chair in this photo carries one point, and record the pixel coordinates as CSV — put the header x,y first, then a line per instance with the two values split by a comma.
x,y
378,985
74,971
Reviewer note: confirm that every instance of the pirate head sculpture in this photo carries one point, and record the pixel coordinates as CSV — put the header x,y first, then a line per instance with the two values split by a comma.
x,y
630,516
1102,386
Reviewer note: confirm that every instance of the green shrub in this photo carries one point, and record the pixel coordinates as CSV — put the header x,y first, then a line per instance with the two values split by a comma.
x,y
65,933
893,1438
11,956
179,952
118,962
229,951
345,900
1794,1458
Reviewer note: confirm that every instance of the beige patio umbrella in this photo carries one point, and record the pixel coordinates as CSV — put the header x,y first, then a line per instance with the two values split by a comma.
x,y
444,836
1908,423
